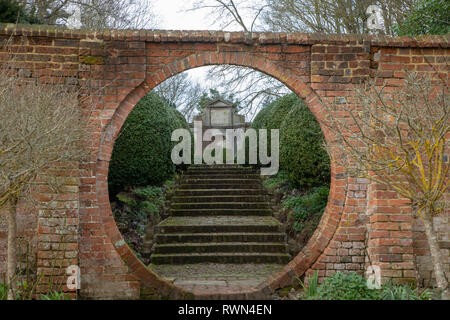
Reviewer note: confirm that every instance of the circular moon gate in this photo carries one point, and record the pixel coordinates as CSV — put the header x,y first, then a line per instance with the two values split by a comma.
x,y
330,219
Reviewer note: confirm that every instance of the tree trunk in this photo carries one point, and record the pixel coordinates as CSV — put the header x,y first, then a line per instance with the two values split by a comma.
x,y
436,257
12,247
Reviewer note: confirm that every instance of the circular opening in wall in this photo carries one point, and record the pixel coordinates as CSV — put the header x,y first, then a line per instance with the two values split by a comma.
x,y
227,225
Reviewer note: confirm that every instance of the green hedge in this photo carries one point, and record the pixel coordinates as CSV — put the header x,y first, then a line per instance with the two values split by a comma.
x,y
141,154
302,155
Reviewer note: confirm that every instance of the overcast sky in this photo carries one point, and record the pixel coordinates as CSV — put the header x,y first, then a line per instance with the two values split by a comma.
x,y
173,16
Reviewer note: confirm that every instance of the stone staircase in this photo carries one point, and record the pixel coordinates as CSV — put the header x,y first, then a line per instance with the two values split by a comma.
x,y
219,214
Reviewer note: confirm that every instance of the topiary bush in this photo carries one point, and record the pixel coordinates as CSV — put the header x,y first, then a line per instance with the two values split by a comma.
x,y
302,154
141,154
271,116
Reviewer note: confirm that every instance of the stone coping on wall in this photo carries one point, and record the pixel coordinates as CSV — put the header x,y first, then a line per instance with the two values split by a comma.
x,y
250,38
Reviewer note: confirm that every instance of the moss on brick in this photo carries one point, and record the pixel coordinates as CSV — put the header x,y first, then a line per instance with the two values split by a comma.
x,y
92,60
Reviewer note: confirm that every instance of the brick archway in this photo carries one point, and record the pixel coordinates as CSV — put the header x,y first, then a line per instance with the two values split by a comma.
x,y
330,219
362,222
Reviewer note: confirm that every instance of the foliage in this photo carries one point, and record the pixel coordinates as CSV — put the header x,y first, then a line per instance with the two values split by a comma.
x,y
338,16
310,286
142,203
93,14
405,292
11,12
142,152
3,291
302,156
428,17
273,114
397,138
276,181
346,286
54,295
138,209
352,286
302,153
308,205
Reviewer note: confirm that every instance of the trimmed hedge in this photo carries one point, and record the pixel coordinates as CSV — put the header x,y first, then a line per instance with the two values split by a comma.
x,y
302,155
141,154
272,115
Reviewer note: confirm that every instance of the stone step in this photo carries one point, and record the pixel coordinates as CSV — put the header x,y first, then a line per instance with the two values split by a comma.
x,y
232,181
221,171
262,247
216,166
219,192
221,224
162,238
239,257
219,198
220,205
220,212
221,176
201,185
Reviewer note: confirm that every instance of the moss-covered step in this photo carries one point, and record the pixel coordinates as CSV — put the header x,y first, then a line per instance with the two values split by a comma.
x,y
220,205
239,257
204,224
220,198
221,212
255,247
214,192
162,238
200,185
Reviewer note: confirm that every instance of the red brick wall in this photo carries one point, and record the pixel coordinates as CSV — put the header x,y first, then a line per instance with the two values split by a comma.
x,y
27,235
362,222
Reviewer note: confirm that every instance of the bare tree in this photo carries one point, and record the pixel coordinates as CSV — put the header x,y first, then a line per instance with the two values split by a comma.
x,y
326,16
41,125
242,14
181,92
252,88
95,14
398,138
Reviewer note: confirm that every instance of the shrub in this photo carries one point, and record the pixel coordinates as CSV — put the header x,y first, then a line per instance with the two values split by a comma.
x,y
310,286
55,295
302,154
392,292
350,286
138,209
428,17
272,115
277,181
3,291
308,205
141,154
